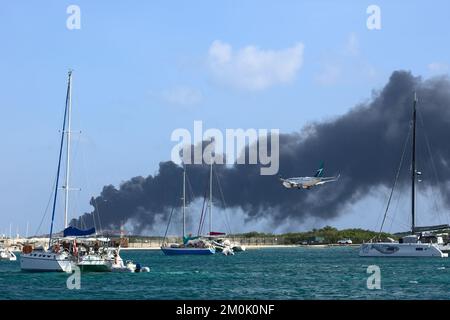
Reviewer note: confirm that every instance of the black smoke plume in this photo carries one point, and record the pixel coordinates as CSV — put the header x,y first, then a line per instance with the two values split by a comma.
x,y
364,146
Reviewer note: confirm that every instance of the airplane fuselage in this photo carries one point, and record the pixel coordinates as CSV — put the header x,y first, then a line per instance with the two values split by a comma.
x,y
301,182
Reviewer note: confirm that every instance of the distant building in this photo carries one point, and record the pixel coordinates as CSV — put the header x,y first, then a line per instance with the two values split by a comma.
x,y
316,240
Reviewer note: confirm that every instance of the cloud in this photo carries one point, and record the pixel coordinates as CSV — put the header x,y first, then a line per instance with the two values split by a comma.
x,y
182,95
252,68
438,67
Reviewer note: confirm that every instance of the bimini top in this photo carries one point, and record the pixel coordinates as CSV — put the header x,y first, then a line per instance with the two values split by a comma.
x,y
72,231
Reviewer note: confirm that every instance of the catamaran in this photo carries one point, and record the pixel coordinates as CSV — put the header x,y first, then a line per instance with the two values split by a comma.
x,y
90,252
219,239
190,245
410,245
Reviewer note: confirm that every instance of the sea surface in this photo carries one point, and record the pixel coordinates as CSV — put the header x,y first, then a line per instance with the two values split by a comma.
x,y
271,273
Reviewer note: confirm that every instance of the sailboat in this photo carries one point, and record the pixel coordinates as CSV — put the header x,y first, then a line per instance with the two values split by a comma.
x,y
56,258
410,245
76,247
190,245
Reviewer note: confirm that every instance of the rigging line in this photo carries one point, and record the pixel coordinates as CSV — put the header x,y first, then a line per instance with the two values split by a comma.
x,y
75,153
96,207
190,187
226,218
46,208
433,163
203,217
396,178
95,204
86,180
405,225
395,213
203,213
75,204
168,224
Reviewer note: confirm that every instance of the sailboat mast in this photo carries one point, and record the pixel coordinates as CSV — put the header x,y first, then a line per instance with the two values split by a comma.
x,y
210,196
413,171
68,132
55,194
184,201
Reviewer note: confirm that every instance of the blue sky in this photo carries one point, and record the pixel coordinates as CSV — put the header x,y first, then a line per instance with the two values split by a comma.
x,y
145,68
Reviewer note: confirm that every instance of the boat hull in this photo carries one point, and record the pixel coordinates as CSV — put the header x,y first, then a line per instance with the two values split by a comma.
x,y
388,249
45,262
95,263
95,267
238,248
187,251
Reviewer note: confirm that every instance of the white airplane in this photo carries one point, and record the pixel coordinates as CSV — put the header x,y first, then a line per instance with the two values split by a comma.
x,y
308,182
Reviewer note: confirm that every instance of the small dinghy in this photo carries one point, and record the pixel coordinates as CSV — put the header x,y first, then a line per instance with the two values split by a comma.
x,y
227,251
129,266
8,255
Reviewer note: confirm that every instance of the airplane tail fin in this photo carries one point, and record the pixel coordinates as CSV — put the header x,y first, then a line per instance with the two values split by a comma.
x,y
319,172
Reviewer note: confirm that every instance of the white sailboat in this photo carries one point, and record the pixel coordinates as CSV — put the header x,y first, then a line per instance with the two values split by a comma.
x,y
40,259
410,245
74,248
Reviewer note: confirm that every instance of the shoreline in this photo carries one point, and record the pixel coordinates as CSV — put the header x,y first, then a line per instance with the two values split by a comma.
x,y
262,246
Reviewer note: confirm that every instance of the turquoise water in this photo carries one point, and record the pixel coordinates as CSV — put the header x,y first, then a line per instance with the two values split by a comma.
x,y
284,273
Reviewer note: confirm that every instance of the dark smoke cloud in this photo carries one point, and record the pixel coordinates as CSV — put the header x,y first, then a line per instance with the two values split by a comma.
x,y
364,146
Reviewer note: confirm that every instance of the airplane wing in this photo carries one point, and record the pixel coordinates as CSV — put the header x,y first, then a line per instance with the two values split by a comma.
x,y
328,179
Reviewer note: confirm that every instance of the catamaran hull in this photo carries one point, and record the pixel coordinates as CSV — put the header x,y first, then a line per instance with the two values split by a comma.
x,y
93,263
186,251
45,263
388,249
95,267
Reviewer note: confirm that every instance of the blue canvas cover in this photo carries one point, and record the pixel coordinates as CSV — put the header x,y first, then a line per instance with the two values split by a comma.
x,y
72,231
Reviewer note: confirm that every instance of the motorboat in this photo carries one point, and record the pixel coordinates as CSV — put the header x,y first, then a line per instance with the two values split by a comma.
x,y
7,255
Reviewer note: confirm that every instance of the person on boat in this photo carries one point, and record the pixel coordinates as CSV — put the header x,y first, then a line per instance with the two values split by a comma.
x,y
56,248
75,248
138,267
96,247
